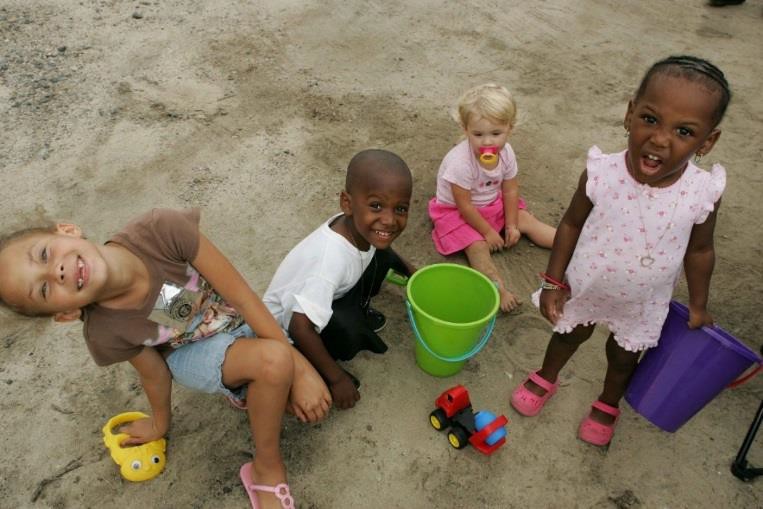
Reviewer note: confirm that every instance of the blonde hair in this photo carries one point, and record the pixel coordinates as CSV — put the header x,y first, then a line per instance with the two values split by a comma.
x,y
489,101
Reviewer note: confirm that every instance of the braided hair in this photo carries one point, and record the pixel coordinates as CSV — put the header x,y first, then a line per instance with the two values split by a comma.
x,y
693,69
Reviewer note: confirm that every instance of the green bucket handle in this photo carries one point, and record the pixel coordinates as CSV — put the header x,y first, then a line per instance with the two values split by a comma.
x,y
487,331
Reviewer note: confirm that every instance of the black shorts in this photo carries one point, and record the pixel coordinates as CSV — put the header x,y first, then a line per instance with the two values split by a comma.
x,y
347,332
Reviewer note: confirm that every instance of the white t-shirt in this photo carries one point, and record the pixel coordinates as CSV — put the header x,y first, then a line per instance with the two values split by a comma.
x,y
323,267
460,167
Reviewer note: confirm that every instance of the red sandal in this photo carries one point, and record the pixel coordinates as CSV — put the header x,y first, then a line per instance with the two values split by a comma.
x,y
595,432
528,403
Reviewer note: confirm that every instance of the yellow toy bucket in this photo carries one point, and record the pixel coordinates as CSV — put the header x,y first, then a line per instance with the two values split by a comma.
x,y
452,310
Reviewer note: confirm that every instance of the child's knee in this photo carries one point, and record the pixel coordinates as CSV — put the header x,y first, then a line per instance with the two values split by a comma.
x,y
619,359
276,362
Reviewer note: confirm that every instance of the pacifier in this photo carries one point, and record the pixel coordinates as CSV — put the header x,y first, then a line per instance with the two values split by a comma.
x,y
488,155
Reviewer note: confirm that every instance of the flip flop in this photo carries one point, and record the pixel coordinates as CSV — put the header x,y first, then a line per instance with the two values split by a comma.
x,y
281,490
528,403
597,433
236,403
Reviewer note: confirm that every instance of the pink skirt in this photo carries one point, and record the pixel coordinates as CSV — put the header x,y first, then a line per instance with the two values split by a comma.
x,y
451,233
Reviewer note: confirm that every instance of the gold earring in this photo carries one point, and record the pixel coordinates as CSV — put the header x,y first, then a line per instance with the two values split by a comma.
x,y
697,158
627,133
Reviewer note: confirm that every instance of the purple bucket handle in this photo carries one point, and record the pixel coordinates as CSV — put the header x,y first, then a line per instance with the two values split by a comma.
x,y
743,379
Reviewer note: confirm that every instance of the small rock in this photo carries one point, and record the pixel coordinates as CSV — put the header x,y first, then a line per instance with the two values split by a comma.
x,y
627,500
62,49
137,15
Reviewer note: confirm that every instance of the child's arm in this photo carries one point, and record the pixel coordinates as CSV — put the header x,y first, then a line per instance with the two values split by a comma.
x,y
552,301
309,395
699,261
510,190
468,211
409,268
307,340
156,380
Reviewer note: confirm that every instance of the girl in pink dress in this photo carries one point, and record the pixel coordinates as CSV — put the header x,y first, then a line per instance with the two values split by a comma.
x,y
477,208
635,219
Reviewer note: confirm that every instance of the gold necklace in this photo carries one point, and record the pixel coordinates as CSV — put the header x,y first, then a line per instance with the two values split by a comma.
x,y
647,260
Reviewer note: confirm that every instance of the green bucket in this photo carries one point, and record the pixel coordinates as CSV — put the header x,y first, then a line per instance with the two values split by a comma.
x,y
452,310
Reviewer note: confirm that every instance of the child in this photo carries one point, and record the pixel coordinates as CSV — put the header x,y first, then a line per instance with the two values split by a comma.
x,y
635,217
477,190
321,291
142,297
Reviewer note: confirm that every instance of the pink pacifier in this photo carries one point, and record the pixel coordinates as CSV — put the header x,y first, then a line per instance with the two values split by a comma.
x,y
488,155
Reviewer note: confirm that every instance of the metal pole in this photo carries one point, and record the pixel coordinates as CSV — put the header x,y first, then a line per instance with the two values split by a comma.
x,y
739,468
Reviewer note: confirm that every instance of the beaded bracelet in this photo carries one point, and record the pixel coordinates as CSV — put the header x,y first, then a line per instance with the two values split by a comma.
x,y
545,285
558,284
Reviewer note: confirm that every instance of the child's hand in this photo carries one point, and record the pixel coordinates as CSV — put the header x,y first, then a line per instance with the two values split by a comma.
x,y
552,304
699,318
309,397
511,235
141,431
344,392
494,241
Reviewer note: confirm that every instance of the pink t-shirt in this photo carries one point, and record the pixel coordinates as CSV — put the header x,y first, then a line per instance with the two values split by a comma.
x,y
460,167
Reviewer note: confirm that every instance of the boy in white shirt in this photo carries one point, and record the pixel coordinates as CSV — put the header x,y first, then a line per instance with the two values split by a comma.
x,y
321,292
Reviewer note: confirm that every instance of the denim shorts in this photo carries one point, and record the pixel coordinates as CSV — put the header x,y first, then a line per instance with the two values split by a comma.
x,y
198,365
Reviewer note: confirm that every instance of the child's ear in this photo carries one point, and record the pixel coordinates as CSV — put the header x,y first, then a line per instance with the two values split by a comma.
x,y
345,203
69,229
67,316
709,142
628,113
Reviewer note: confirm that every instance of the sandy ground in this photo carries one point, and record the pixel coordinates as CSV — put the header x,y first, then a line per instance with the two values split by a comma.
x,y
251,111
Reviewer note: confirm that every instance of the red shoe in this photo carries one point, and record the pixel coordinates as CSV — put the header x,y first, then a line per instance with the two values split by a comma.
x,y
597,433
528,403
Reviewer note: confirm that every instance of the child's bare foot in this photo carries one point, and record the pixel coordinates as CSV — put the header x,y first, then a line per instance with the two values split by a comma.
x,y
509,301
271,476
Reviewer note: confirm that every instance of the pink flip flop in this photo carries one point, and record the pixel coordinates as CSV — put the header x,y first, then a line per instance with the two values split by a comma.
x,y
597,433
236,403
527,403
281,490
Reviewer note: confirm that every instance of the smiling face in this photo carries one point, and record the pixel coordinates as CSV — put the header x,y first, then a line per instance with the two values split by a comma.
x,y
51,273
376,212
486,132
673,119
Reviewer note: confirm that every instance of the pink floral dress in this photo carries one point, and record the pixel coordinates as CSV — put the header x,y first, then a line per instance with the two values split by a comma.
x,y
631,248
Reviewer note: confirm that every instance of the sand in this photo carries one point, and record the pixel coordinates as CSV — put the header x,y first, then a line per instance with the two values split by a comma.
x,y
251,110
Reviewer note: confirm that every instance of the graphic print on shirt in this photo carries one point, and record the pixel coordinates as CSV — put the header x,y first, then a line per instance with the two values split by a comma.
x,y
190,313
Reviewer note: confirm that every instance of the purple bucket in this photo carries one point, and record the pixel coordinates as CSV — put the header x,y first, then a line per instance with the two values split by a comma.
x,y
686,370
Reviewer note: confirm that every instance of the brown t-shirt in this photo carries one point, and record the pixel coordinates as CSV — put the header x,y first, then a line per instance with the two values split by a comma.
x,y
180,306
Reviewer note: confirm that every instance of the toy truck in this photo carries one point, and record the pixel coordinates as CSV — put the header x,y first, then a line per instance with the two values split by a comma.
x,y
483,430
